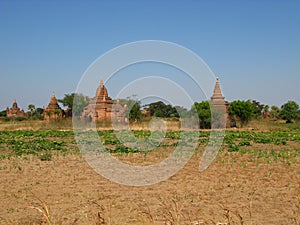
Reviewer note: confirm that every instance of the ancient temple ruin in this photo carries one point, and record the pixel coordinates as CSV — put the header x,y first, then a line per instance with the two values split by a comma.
x,y
14,111
218,103
53,110
103,108
217,99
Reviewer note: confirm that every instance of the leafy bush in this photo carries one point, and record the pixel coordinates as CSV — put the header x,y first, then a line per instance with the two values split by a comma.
x,y
204,113
233,148
243,110
289,111
245,143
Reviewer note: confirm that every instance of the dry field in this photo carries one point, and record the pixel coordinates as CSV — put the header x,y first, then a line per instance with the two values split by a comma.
x,y
255,179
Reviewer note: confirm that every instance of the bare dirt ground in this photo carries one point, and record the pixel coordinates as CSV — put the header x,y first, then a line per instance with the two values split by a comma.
x,y
235,189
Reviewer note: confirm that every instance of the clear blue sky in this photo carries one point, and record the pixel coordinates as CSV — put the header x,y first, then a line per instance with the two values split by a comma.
x,y
253,46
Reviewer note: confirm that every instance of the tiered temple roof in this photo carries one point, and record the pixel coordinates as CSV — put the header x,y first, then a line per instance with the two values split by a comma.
x,y
102,100
102,93
14,110
102,107
53,104
53,110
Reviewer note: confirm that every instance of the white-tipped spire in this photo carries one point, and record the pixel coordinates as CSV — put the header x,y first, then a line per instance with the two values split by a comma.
x,y
217,91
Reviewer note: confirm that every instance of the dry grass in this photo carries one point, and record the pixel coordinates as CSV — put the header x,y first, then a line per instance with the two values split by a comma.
x,y
171,210
43,209
295,218
172,125
63,124
66,124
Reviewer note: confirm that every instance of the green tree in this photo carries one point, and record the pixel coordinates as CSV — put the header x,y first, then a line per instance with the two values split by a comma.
x,y
242,110
39,111
75,103
3,113
68,100
79,103
289,111
204,113
160,109
275,112
31,109
181,111
266,111
133,112
156,108
257,109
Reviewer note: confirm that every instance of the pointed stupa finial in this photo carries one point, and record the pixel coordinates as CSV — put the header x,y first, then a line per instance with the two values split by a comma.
x,y
217,91
15,101
101,83
53,94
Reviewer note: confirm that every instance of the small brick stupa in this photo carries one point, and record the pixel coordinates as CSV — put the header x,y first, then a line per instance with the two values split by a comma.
x,y
14,111
53,110
218,102
102,107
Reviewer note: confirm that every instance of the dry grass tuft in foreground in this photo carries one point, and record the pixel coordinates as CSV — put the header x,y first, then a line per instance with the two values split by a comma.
x,y
42,209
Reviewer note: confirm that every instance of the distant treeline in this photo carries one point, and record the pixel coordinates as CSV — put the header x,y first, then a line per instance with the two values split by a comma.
x,y
239,111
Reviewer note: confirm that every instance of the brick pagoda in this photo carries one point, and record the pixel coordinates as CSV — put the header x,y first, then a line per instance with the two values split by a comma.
x,y
53,110
218,102
103,108
14,111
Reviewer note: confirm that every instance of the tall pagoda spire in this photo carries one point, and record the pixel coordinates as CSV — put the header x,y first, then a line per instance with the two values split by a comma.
x,y
15,105
217,95
217,99
101,93
219,106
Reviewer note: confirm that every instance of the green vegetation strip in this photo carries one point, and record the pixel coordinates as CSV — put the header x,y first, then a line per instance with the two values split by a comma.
x,y
46,143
